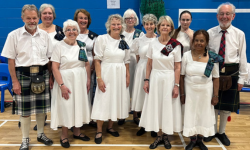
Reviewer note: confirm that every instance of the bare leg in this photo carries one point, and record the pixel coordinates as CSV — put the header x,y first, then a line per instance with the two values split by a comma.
x,y
99,128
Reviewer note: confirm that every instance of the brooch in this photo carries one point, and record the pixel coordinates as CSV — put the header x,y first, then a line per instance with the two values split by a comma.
x,y
91,35
169,47
136,34
59,32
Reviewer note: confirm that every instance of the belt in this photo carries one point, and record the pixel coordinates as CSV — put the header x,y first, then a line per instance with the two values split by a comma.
x,y
32,69
230,69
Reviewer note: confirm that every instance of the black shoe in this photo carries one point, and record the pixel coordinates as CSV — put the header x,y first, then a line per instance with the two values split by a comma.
x,y
84,138
141,131
44,140
153,134
166,142
25,144
156,143
201,145
121,121
208,139
98,140
139,114
65,144
223,138
115,133
93,124
192,143
136,120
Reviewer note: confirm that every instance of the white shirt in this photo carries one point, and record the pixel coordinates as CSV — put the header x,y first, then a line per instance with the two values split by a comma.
x,y
129,37
27,49
235,50
184,39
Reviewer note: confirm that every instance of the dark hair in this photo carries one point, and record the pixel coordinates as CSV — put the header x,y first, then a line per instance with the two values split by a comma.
x,y
176,32
85,12
205,33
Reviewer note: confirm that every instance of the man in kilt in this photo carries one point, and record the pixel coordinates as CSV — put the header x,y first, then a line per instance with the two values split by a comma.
x,y
28,50
229,42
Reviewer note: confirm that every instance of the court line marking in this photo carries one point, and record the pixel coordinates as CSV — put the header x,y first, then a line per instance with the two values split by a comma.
x,y
222,146
3,123
182,139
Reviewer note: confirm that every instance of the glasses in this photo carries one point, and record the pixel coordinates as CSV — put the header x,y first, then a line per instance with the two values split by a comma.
x,y
131,18
73,30
185,20
227,14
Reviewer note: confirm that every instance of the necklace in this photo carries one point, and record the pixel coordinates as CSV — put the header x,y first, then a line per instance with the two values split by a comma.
x,y
199,55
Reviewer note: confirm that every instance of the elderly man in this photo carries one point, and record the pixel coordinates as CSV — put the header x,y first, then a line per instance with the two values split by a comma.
x,y
28,50
229,42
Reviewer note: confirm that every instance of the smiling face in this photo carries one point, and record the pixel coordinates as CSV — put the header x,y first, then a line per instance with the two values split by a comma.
x,y
130,21
149,26
82,20
47,16
200,42
185,21
30,18
115,26
225,16
165,27
71,32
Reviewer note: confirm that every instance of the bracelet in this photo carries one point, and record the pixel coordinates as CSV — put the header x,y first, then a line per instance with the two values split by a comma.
x,y
182,94
61,84
215,96
98,77
146,79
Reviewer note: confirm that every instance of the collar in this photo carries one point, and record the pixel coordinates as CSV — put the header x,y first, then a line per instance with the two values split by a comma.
x,y
23,30
228,29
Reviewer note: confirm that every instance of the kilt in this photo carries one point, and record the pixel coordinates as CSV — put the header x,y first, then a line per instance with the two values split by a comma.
x,y
29,103
230,100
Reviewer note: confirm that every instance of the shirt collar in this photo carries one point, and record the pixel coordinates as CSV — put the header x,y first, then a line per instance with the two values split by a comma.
x,y
228,29
38,31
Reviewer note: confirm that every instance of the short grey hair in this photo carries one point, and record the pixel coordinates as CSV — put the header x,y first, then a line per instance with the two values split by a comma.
x,y
149,17
114,16
70,22
44,6
130,12
169,20
30,8
227,3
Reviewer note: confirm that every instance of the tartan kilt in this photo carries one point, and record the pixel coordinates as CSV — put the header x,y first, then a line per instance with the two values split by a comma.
x,y
29,103
230,100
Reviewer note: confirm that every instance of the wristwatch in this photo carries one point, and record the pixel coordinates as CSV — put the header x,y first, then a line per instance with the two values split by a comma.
x,y
146,79
178,85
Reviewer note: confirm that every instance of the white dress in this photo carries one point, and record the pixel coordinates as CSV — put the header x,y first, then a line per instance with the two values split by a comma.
x,y
132,65
199,117
89,47
114,103
184,39
76,110
139,47
160,110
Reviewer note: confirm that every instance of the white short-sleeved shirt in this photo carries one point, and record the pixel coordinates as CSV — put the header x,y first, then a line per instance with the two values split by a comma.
x,y
27,49
129,37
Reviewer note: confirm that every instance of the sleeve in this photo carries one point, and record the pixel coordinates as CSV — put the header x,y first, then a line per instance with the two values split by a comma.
x,y
135,46
177,54
9,49
150,51
243,71
50,46
127,56
99,48
215,71
56,54
183,64
141,34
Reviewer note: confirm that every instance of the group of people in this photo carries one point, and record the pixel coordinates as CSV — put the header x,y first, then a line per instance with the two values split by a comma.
x,y
173,77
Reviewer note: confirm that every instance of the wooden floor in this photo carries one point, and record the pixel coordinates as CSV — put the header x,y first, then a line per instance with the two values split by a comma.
x,y
238,131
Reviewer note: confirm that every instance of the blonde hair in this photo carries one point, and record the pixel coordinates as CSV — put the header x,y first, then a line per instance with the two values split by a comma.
x,y
169,20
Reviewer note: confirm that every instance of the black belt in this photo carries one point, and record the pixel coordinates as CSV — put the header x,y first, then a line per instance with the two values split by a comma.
x,y
230,69
27,69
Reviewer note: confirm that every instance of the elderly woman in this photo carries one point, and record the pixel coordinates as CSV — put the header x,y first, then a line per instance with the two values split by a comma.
x,y
140,48
131,20
71,69
199,90
162,108
112,71
82,17
183,33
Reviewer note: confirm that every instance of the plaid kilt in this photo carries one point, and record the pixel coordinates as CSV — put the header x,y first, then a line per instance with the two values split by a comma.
x,y
230,100
29,103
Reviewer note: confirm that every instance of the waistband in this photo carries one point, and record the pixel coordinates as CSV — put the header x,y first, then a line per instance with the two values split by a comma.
x,y
230,69
32,69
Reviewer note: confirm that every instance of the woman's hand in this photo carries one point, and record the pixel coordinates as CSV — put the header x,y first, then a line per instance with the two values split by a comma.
x,y
101,85
51,82
183,99
146,87
127,81
214,101
190,33
88,85
65,92
175,92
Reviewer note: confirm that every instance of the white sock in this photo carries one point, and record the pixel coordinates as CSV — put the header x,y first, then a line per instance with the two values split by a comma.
x,y
40,118
216,120
223,120
25,126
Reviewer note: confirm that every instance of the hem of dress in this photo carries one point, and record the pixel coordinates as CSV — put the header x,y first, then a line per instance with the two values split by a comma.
x,y
206,132
168,133
56,128
108,119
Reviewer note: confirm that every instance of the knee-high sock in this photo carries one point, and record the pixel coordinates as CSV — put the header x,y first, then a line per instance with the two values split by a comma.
x,y
25,126
40,118
223,120
216,120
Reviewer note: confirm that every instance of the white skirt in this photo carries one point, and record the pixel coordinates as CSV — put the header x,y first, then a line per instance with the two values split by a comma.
x,y
160,110
138,94
76,110
132,66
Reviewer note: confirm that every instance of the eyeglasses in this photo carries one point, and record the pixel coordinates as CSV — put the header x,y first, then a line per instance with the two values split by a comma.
x,y
185,20
227,14
71,30
131,18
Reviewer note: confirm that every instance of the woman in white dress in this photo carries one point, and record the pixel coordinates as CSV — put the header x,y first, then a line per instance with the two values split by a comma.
x,y
82,17
162,108
71,69
199,90
183,33
131,20
140,48
112,71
